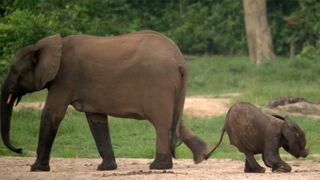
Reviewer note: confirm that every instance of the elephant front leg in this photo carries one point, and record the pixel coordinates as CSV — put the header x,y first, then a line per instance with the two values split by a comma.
x,y
198,147
271,157
48,129
100,130
276,163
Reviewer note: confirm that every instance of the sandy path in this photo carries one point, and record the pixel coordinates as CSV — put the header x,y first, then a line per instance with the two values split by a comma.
x,y
67,168
195,106
203,106
198,106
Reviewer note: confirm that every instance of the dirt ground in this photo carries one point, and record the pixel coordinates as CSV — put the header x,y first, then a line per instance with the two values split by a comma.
x,y
198,106
67,168
204,106
195,106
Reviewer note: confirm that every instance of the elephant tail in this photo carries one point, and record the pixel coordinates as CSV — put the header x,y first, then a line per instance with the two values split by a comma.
x,y
207,156
178,109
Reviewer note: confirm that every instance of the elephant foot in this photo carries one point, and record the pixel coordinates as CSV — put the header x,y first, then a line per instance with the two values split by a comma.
x,y
283,168
198,147
254,170
39,167
162,161
107,166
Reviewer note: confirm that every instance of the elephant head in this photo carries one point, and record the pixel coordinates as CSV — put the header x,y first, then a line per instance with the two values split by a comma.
x,y
294,139
31,70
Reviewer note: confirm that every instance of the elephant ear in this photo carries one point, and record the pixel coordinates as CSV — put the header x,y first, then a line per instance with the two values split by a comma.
x,y
278,116
47,58
290,131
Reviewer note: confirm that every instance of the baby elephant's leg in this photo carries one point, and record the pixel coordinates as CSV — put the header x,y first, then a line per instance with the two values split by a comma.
x,y
275,163
271,156
252,166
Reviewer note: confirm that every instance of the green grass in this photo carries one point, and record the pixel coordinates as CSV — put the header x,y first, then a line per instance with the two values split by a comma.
x,y
257,84
130,138
35,97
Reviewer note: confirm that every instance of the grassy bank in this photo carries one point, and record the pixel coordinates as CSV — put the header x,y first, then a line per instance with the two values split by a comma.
x,y
258,84
130,138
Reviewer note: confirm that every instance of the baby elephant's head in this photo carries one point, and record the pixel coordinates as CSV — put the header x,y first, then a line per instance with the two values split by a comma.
x,y
294,139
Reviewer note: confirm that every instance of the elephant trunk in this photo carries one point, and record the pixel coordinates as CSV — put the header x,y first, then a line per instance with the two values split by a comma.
x,y
6,104
304,153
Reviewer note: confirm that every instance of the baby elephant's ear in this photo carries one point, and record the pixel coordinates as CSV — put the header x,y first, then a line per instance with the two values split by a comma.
x,y
290,131
278,116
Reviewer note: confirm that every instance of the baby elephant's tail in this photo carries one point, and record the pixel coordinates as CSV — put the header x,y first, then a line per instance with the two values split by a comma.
x,y
207,156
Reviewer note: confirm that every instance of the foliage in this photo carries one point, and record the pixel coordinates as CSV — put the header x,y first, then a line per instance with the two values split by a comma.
x,y
294,22
310,52
198,27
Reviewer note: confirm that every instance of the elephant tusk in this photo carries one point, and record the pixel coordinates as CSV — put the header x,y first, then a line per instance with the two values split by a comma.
x,y
18,100
9,99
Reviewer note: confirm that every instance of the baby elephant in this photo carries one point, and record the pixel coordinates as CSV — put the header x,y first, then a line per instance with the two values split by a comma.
x,y
254,132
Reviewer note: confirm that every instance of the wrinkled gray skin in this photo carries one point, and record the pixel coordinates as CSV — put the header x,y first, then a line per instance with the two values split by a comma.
x,y
139,75
254,132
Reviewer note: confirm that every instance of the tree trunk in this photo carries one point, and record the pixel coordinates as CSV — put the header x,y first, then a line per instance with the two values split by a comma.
x,y
292,49
258,31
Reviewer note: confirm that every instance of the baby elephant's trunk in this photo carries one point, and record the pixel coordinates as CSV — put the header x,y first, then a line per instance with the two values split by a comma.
x,y
207,156
304,153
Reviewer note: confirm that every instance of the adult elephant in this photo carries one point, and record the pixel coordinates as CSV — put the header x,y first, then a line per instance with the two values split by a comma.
x,y
139,75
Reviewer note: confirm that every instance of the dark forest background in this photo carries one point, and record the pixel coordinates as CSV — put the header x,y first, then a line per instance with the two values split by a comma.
x,y
197,26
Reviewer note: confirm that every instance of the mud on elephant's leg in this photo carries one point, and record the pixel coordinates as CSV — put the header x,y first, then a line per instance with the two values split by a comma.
x,y
100,130
252,166
198,147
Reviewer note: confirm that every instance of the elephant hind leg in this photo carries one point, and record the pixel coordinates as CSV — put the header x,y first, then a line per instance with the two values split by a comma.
x,y
252,166
100,130
163,159
198,147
